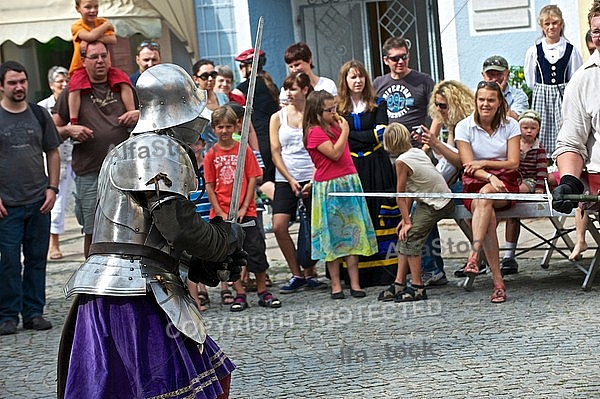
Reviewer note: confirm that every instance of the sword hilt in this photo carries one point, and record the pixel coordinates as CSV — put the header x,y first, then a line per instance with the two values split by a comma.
x,y
577,197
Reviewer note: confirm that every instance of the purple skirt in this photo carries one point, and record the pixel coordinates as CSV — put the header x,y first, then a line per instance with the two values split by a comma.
x,y
125,347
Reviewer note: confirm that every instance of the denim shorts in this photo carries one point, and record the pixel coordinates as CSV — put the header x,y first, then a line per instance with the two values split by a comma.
x,y
86,193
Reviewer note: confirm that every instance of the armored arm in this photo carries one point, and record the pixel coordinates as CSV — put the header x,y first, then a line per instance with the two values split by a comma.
x,y
215,247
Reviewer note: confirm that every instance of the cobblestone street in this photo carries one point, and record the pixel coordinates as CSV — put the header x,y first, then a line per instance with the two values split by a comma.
x,y
542,343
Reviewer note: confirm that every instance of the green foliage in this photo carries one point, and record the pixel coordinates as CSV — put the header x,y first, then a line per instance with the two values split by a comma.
x,y
517,79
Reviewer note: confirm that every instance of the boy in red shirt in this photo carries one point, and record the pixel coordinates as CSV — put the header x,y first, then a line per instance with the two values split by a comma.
x,y
219,171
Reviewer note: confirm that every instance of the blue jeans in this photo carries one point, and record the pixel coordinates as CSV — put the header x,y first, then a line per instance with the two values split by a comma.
x,y
27,228
431,253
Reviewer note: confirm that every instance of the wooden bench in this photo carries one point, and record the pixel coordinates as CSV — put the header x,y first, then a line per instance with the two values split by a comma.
x,y
534,210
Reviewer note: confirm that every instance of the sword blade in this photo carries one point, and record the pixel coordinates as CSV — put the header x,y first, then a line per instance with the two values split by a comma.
x,y
491,196
239,168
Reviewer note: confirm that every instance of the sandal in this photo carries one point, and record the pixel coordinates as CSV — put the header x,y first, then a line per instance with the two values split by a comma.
x,y
498,295
249,284
203,298
390,292
411,294
472,267
55,254
226,297
239,303
267,300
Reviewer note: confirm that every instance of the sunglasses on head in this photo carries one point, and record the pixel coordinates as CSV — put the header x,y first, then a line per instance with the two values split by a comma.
x,y
494,62
206,75
396,58
149,44
485,83
441,105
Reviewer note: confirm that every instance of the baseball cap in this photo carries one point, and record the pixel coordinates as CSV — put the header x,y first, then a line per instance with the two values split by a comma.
x,y
531,114
495,63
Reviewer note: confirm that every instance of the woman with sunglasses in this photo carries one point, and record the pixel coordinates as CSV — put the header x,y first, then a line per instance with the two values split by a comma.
x,y
204,75
489,148
366,115
451,102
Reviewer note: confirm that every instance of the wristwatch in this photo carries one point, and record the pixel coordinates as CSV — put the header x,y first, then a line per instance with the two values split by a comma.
x,y
489,176
53,188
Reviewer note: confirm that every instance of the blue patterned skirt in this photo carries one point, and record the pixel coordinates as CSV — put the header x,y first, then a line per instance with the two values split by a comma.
x,y
341,226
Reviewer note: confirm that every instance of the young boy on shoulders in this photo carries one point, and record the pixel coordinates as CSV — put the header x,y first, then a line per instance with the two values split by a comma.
x,y
219,171
91,28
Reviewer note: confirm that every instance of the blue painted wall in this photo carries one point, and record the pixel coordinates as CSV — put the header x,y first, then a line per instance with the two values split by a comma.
x,y
278,33
473,50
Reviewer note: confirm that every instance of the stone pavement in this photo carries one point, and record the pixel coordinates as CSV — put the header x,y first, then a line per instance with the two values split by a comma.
x,y
542,343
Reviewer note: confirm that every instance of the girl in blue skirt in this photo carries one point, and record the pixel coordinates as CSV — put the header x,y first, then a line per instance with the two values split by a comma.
x,y
341,226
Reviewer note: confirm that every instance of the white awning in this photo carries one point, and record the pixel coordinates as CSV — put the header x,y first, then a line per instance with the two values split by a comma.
x,y
44,19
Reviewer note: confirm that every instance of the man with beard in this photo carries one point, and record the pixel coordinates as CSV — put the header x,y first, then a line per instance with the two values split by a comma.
x,y
26,197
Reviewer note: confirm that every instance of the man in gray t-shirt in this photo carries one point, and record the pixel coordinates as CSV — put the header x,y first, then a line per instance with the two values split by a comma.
x,y
406,91
26,197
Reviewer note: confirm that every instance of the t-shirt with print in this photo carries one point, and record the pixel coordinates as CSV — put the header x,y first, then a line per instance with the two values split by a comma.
x,y
407,98
23,178
219,169
100,109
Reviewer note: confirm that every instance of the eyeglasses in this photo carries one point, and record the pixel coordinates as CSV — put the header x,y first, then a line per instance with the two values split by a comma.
x,y
206,75
396,58
485,83
332,110
441,105
149,44
95,57
595,33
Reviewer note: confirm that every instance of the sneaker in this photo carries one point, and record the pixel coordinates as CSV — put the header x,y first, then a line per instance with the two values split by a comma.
x,y
483,268
37,323
293,285
8,327
509,266
434,278
313,283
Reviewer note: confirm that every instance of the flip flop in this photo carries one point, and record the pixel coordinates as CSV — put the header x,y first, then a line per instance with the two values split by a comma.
x,y
226,297
55,255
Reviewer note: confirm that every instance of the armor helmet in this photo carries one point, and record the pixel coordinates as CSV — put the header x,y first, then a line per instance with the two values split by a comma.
x,y
171,102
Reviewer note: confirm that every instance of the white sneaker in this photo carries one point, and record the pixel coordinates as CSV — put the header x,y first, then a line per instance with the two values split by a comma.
x,y
434,278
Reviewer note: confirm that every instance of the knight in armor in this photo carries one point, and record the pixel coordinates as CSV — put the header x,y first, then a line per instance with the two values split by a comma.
x,y
134,330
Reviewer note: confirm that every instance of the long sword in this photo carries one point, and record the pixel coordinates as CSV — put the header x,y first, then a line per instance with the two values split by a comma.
x,y
241,160
547,197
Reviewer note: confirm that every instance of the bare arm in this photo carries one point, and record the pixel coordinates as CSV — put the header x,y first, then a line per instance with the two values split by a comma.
x,y
98,33
276,157
53,164
335,151
214,203
570,163
248,198
76,132
477,168
404,204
